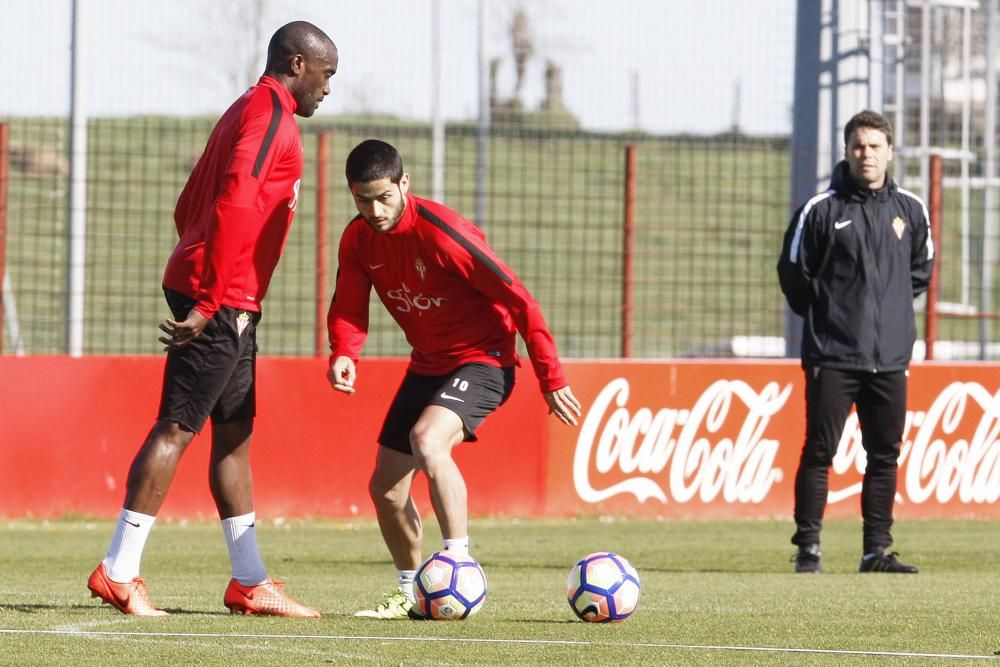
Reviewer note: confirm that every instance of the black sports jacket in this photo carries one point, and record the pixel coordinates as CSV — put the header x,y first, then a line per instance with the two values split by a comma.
x,y
852,261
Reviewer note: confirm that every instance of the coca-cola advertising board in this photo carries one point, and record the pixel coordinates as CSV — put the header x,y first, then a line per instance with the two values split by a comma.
x,y
723,439
712,439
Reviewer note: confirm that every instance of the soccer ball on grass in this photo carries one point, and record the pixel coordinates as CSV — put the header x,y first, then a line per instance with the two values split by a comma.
x,y
603,587
449,587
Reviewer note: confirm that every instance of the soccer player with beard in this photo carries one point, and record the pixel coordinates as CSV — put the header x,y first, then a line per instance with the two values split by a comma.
x,y
459,306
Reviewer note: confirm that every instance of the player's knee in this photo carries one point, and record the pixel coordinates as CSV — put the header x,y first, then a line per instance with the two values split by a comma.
x,y
168,439
428,451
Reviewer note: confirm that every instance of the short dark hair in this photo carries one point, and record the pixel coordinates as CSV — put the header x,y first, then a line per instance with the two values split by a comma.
x,y
373,160
870,119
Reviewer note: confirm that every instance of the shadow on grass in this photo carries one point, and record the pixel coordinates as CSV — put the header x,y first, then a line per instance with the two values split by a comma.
x,y
105,609
562,567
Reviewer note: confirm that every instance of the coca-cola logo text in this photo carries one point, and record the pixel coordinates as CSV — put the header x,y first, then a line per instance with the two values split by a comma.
x,y
718,449
935,463
704,461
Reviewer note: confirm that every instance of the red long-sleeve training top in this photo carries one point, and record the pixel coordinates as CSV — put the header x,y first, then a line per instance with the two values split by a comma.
x,y
456,301
234,213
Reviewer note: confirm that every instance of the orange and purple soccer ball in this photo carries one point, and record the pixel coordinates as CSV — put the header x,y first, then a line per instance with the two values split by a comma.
x,y
449,587
603,587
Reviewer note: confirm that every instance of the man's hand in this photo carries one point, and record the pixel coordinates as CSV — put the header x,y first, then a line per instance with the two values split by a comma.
x,y
342,375
563,404
180,334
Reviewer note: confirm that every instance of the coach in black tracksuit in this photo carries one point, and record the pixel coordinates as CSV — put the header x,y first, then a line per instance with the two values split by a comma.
x,y
854,257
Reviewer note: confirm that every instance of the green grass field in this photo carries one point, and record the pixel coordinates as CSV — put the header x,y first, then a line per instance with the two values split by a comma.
x,y
714,593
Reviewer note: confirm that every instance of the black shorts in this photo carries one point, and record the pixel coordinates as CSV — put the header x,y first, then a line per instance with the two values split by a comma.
x,y
471,391
214,375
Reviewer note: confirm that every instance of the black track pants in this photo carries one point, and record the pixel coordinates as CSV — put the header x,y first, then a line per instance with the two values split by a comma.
x,y
880,399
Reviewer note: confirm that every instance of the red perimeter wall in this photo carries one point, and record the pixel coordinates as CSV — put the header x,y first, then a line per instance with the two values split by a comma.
x,y
671,439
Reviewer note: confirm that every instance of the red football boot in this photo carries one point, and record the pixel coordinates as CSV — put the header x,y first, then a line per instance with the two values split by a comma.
x,y
266,599
129,598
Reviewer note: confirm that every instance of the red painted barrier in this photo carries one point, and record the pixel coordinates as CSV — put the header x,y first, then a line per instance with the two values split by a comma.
x,y
69,428
672,439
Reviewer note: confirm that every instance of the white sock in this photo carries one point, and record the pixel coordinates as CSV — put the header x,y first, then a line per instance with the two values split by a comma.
x,y
244,555
121,562
405,580
458,546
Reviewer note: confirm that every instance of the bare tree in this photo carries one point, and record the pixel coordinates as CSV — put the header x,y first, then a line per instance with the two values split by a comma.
x,y
246,31
237,45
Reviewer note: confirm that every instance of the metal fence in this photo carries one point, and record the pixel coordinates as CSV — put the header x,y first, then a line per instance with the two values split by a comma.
x,y
708,216
686,269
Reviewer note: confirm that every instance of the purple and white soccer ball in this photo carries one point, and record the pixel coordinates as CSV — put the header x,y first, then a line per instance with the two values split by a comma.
x,y
449,587
603,587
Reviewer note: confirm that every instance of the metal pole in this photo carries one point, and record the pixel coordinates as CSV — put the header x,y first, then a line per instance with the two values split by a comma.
x,y
437,117
484,120
876,59
964,162
4,175
322,216
628,251
925,95
934,203
13,322
990,240
899,126
805,130
77,270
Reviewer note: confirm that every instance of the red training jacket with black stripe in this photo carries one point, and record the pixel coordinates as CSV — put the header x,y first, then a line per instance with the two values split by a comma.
x,y
456,301
234,213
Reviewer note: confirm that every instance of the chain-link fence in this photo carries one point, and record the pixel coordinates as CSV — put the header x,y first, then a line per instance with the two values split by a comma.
x,y
694,277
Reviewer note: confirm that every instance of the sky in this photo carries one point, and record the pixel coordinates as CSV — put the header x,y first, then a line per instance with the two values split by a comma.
x,y
663,66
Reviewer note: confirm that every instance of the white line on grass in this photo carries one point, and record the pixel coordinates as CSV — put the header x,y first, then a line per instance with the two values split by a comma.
x,y
468,640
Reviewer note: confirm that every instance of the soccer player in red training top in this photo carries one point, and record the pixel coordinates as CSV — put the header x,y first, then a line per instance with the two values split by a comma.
x,y
459,306
232,219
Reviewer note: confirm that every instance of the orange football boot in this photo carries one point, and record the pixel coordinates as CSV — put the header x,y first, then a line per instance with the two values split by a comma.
x,y
266,599
129,598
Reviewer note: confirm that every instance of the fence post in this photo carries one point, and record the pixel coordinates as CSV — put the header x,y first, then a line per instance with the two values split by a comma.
x,y
4,175
934,197
322,215
628,251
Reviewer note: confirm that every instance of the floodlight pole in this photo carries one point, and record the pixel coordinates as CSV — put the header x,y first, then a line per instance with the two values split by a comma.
x,y
437,117
876,55
805,129
990,228
77,261
484,120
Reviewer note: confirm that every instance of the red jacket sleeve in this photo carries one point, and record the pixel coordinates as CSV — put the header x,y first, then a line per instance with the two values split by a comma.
x,y
235,211
347,318
473,259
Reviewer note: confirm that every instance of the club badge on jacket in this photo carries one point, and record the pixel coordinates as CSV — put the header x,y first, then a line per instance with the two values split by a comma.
x,y
899,227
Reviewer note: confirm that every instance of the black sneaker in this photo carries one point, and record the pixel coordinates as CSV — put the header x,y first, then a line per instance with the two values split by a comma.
x,y
807,559
882,560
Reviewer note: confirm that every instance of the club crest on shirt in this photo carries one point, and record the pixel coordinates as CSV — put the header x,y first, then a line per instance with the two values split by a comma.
x,y
898,226
420,267
242,320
